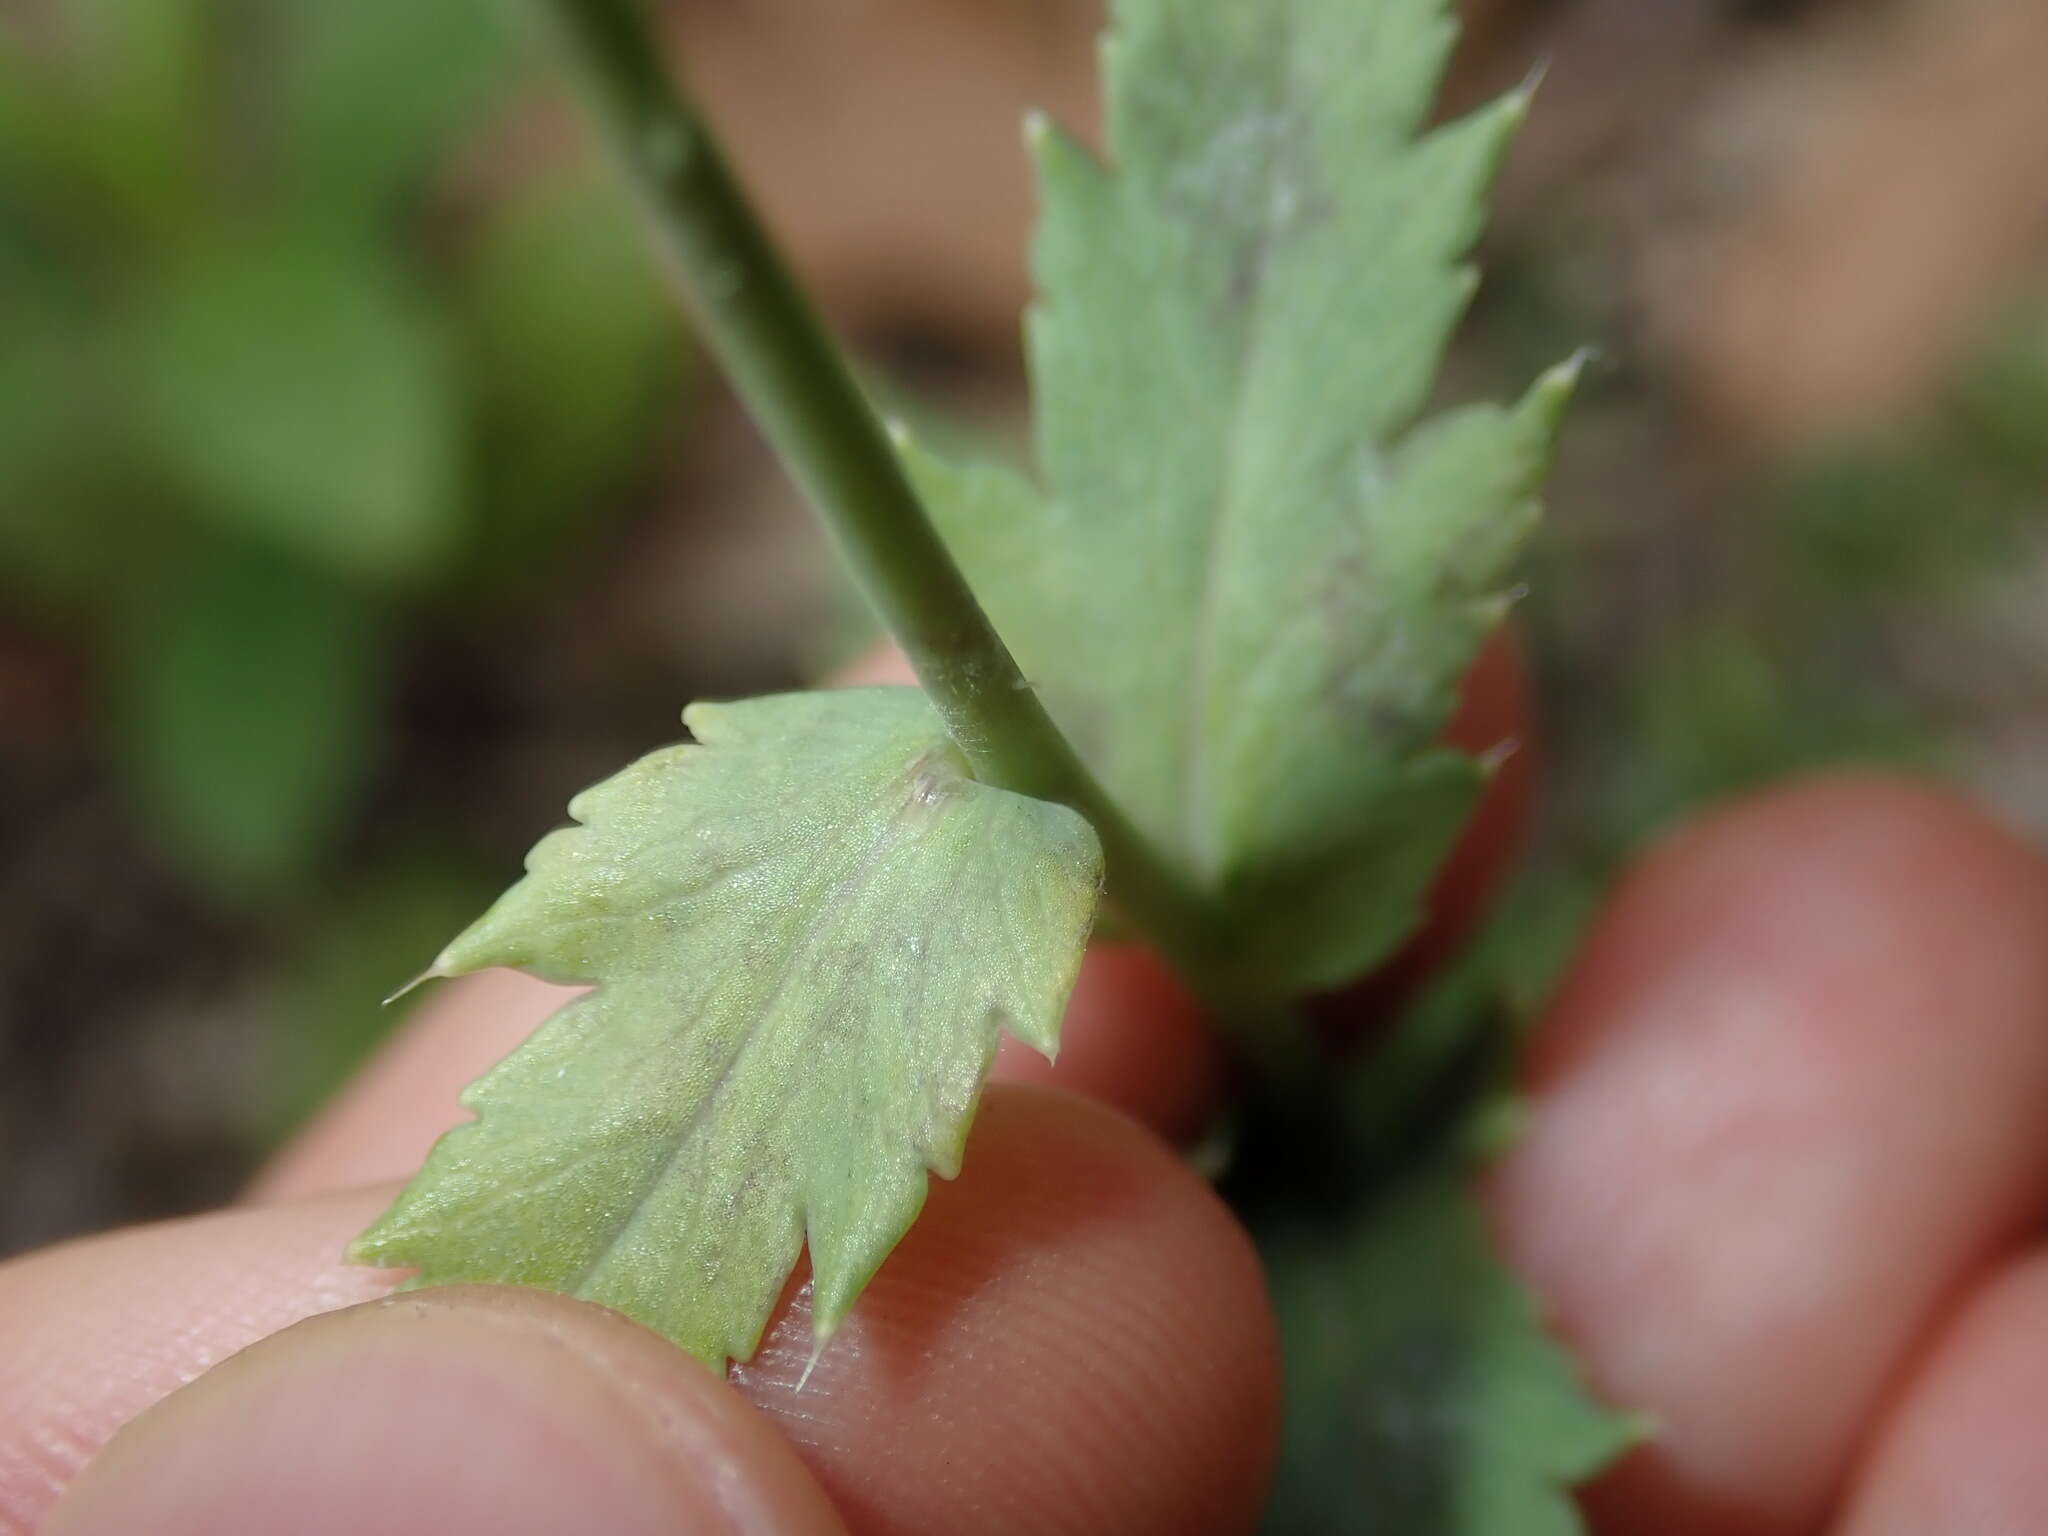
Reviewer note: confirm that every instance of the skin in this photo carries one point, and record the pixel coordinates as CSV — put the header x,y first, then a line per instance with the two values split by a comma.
x,y
1782,1189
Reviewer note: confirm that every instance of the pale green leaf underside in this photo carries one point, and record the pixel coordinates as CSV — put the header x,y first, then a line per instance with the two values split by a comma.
x,y
1423,1396
807,933
1251,582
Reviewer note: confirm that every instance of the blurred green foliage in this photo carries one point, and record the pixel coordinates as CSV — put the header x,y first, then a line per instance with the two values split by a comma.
x,y
1795,661
267,390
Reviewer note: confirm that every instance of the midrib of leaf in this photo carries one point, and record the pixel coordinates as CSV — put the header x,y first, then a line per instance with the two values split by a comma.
x,y
1198,825
827,911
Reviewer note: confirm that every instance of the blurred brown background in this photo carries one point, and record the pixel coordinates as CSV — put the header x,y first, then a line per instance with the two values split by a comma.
x,y
361,496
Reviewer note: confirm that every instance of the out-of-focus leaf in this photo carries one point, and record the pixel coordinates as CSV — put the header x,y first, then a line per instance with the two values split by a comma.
x,y
32,131
75,526
368,92
1423,1396
245,706
807,934
1723,710
138,99
1252,580
2002,402
1878,525
298,391
572,347
57,533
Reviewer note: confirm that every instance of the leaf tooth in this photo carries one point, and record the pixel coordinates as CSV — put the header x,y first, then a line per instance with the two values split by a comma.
x,y
818,1343
492,940
1466,155
431,973
844,1261
1041,1034
1492,610
1542,411
1064,162
1499,755
1551,395
1522,98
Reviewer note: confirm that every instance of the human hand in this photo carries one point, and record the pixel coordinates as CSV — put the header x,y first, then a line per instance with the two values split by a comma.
x,y
1785,1161
1074,1337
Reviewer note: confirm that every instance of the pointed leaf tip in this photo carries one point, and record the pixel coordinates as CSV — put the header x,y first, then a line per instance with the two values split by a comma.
x,y
431,973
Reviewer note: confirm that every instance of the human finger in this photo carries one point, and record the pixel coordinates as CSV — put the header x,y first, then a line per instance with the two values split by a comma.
x,y
1961,1454
1788,1102
473,1411
1074,1337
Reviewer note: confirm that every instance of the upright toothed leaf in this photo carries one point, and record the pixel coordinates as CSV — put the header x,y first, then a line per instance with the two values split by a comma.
x,y
1251,582
806,933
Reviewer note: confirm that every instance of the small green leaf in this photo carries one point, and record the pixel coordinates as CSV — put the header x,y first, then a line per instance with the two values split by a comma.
x,y
296,388
807,933
246,704
572,347
369,93
73,524
138,78
1423,1396
1252,581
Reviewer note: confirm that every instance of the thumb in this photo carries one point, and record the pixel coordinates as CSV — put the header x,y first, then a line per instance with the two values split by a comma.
x,y
468,1410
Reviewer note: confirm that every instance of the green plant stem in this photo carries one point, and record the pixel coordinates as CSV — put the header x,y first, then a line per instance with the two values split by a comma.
x,y
774,348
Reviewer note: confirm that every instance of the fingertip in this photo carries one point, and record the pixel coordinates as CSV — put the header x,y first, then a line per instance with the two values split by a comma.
x,y
877,666
1866,835
1074,1338
94,1331
477,1410
1961,1455
1806,1025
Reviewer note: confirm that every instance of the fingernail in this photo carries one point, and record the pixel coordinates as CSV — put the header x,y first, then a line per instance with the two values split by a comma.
x,y
476,1410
